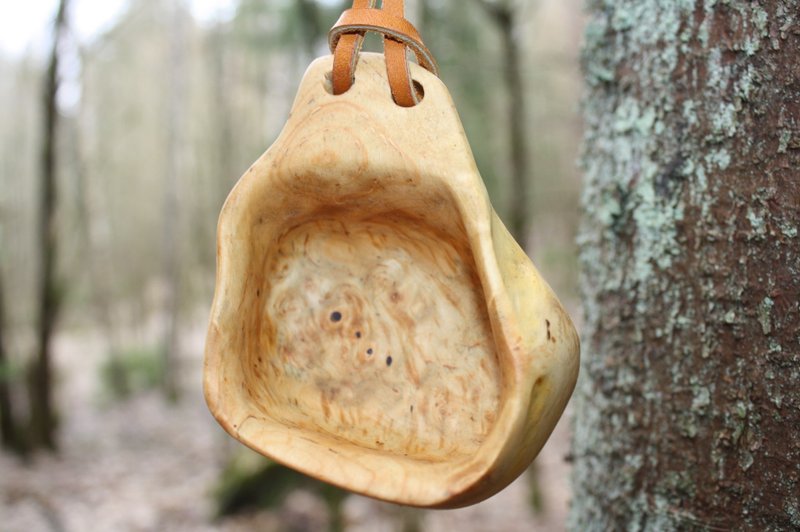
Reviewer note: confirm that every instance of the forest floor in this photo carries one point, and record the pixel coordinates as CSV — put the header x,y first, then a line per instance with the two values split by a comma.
x,y
141,464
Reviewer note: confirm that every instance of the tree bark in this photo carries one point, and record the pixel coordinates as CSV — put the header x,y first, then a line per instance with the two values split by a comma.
x,y
688,409
43,415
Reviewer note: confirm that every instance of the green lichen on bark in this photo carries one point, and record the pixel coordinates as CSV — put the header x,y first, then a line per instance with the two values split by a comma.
x,y
688,412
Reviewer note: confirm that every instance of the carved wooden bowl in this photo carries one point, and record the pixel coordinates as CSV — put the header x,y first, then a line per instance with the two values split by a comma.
x,y
374,323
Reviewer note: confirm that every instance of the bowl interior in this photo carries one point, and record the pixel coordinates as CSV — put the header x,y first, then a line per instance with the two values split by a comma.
x,y
370,326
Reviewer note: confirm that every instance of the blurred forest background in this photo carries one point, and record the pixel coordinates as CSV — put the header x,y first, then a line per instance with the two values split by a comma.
x,y
117,150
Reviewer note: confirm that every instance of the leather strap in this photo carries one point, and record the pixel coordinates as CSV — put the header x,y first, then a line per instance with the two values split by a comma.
x,y
347,35
345,53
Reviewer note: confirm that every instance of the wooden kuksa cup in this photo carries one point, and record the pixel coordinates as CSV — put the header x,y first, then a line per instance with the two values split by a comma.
x,y
374,323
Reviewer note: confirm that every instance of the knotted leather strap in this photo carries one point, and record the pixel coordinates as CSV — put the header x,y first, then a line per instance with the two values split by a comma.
x,y
347,36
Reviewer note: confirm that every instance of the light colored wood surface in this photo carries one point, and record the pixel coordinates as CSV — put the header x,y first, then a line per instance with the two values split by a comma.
x,y
374,324
378,337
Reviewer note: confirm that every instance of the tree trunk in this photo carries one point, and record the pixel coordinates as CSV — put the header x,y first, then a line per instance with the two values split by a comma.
x,y
519,216
311,27
175,147
688,410
8,425
43,415
503,16
94,226
222,86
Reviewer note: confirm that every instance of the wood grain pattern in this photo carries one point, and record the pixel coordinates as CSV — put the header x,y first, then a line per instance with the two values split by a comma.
x,y
374,324
379,337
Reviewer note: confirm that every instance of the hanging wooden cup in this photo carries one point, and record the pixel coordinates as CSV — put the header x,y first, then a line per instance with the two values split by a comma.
x,y
374,323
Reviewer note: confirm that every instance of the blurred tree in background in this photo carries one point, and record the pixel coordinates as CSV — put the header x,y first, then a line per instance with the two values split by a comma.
x,y
40,425
42,429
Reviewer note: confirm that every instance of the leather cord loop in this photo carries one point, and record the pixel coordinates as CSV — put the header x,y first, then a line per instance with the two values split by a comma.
x,y
347,35
360,21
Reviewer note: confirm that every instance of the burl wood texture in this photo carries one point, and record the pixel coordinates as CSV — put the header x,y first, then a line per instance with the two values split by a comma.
x,y
379,337
374,324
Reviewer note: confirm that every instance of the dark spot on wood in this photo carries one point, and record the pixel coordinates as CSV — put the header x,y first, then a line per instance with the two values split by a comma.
x,y
258,293
548,328
336,316
369,351
388,361
412,408
358,334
